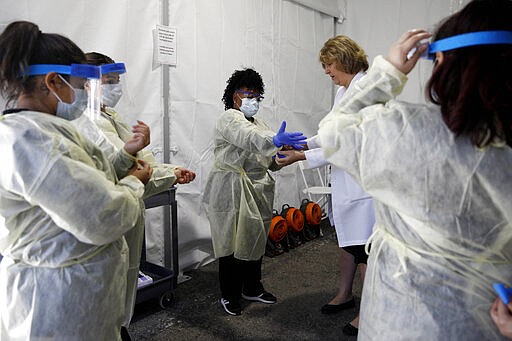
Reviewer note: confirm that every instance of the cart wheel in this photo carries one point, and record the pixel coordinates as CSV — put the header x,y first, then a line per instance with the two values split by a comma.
x,y
166,299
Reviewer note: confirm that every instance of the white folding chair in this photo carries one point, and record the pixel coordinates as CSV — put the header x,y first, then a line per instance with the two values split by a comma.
x,y
320,194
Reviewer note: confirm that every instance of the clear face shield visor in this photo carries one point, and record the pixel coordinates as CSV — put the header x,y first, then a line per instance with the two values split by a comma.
x,y
463,40
83,79
113,83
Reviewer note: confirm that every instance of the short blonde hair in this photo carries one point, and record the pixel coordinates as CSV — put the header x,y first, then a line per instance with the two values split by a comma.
x,y
347,55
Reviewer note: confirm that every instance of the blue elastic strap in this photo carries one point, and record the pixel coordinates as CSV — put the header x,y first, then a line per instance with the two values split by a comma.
x,y
115,67
471,39
85,71
43,69
77,70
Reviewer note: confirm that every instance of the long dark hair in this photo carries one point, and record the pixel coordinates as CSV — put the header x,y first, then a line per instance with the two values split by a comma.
x,y
473,85
242,78
23,44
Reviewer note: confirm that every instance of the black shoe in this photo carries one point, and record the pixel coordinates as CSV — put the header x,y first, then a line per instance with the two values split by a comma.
x,y
350,330
125,336
264,297
336,308
231,307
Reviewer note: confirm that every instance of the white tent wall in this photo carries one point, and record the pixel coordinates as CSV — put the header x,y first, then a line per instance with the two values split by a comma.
x,y
280,39
118,28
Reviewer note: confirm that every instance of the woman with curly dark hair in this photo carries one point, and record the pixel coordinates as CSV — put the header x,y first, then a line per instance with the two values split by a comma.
x,y
239,193
440,174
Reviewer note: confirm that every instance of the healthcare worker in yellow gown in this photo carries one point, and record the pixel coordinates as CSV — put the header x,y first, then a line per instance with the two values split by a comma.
x,y
239,193
63,212
111,133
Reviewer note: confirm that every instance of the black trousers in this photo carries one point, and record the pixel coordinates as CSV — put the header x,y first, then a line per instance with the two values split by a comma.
x,y
237,276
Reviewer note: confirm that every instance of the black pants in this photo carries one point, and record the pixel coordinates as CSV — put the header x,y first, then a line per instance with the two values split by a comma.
x,y
237,276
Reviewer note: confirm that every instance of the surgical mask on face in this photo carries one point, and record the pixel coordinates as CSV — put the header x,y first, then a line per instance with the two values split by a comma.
x,y
71,111
249,106
111,94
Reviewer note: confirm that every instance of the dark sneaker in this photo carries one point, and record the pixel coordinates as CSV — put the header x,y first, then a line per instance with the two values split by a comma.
x,y
232,308
350,330
264,297
125,336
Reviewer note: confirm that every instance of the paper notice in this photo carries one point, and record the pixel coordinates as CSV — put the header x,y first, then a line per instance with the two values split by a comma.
x,y
165,45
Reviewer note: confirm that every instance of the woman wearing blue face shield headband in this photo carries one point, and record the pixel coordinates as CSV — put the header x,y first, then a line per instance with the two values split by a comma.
x,y
78,75
118,133
63,211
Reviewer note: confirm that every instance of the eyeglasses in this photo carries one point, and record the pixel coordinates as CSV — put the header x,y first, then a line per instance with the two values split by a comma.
x,y
250,94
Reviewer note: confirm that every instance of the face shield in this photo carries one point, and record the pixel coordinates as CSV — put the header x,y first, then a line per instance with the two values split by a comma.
x,y
92,85
112,84
83,80
464,40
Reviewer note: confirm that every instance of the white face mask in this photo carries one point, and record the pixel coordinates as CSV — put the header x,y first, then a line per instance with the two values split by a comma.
x,y
71,111
111,94
249,106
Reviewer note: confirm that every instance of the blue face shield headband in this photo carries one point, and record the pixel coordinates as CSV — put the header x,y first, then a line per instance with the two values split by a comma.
x,y
115,67
75,70
468,39
81,99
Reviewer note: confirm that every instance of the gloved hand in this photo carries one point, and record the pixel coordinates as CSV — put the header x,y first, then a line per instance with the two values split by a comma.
x,y
294,139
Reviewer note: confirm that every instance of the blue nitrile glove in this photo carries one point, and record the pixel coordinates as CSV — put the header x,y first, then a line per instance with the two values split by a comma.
x,y
278,155
503,292
294,139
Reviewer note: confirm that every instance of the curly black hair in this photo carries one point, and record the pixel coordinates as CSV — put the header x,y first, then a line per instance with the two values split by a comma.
x,y
242,78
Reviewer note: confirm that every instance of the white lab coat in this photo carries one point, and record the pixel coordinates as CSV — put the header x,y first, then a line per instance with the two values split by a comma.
x,y
443,231
110,132
62,219
239,192
351,211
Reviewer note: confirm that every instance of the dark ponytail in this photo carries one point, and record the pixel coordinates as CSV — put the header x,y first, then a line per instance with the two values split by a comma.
x,y
23,44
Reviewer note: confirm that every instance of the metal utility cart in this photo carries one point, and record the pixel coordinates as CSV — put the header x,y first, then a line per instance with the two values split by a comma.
x,y
165,278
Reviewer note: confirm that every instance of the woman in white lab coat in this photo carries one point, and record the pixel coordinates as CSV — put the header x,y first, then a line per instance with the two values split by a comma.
x,y
352,211
63,212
